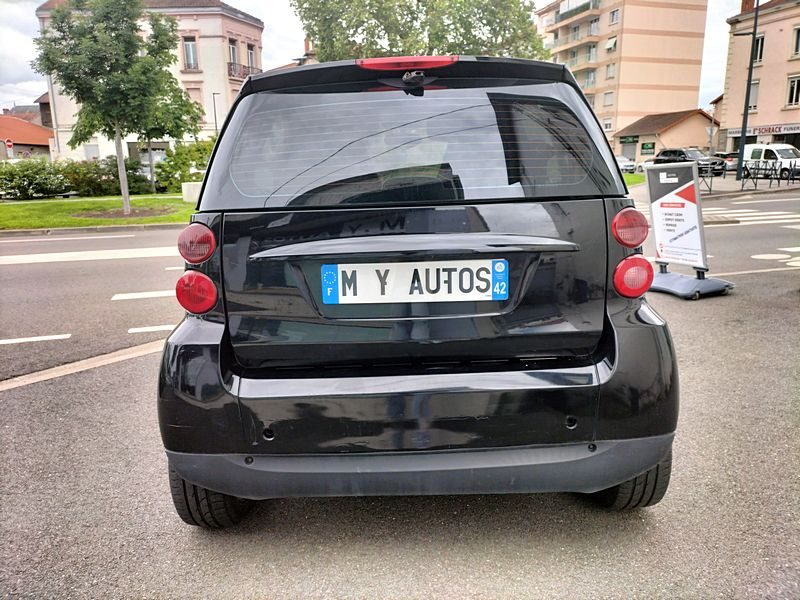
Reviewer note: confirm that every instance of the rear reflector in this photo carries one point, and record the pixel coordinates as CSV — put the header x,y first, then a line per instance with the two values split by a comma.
x,y
196,243
405,63
196,292
630,227
633,276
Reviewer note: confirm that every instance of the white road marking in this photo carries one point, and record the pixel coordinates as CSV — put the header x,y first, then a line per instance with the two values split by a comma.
x,y
40,338
795,249
765,201
151,328
174,268
770,256
756,271
51,257
140,295
730,210
767,215
82,365
792,227
764,222
66,239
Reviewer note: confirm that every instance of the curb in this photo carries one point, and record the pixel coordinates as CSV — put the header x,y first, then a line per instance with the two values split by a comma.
x,y
96,228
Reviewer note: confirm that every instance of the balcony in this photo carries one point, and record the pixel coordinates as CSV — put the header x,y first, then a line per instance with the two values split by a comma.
x,y
237,71
577,10
591,8
585,61
572,41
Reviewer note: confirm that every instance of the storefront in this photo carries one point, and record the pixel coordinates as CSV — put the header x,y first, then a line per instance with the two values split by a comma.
x,y
787,133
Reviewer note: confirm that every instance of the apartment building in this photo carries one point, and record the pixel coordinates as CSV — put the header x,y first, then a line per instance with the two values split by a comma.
x,y
774,106
219,47
632,58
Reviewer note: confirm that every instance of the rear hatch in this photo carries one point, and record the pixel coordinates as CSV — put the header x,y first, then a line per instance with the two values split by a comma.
x,y
454,224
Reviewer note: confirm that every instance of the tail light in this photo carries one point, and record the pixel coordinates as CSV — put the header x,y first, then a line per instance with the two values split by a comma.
x,y
196,292
630,227
633,276
405,63
196,243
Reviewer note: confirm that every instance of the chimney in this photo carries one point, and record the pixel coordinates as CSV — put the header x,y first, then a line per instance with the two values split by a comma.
x,y
748,5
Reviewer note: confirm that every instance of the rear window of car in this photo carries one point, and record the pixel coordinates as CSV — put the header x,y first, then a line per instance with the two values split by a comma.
x,y
388,147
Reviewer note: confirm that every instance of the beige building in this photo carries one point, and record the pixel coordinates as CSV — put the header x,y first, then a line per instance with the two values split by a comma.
x,y
774,114
219,47
649,135
632,58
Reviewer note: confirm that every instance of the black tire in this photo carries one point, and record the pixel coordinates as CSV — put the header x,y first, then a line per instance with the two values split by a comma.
x,y
643,490
784,174
205,508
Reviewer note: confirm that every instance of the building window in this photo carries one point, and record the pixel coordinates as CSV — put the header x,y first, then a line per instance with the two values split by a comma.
x,y
796,47
251,55
611,70
759,55
575,33
753,96
594,26
611,44
590,99
794,91
608,99
607,124
613,17
233,51
190,53
590,79
591,53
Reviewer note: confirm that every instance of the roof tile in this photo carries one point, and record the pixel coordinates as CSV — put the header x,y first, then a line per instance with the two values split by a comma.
x,y
22,132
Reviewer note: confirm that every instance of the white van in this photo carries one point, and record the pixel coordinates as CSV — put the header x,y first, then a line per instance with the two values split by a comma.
x,y
785,157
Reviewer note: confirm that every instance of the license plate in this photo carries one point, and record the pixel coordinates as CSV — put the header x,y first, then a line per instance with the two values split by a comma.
x,y
434,281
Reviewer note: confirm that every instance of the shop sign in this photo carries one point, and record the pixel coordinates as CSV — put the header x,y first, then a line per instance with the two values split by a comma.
x,y
629,139
648,148
766,130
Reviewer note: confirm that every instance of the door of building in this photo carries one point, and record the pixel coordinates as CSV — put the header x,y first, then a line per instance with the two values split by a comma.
x,y
629,151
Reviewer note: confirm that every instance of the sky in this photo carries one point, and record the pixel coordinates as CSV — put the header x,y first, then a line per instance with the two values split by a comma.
x,y
282,41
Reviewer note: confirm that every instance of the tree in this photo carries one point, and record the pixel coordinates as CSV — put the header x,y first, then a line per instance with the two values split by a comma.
x,y
96,52
359,28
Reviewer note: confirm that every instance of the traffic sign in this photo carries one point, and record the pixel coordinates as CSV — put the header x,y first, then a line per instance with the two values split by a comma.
x,y
9,143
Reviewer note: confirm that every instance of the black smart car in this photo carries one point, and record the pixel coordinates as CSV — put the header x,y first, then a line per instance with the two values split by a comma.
x,y
415,276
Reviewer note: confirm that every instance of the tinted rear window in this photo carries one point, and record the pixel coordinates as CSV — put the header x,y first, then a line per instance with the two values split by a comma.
x,y
372,148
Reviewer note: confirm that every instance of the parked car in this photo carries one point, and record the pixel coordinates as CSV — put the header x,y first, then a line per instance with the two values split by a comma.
x,y
784,157
705,164
731,159
626,165
647,161
400,289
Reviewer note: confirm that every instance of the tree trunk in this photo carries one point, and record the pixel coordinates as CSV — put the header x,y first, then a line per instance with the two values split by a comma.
x,y
152,171
123,175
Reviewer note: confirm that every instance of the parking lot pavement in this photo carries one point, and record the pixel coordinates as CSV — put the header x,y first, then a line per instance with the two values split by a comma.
x,y
86,510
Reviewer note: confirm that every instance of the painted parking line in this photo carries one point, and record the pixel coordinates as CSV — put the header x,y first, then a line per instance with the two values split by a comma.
x,y
82,365
38,338
141,295
52,257
151,328
794,249
66,239
174,268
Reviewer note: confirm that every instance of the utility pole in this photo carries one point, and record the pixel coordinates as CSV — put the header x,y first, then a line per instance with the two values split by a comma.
x,y
743,136
214,102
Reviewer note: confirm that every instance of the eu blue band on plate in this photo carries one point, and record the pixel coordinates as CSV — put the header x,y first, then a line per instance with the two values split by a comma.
x,y
500,279
330,284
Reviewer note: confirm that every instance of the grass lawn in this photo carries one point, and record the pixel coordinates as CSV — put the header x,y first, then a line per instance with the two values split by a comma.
x,y
633,178
84,212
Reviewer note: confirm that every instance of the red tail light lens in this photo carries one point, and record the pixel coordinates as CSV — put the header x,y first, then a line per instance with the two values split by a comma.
x,y
633,276
196,292
196,243
405,63
630,227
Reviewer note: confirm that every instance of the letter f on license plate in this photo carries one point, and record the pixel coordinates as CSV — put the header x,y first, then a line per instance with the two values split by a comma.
x,y
435,281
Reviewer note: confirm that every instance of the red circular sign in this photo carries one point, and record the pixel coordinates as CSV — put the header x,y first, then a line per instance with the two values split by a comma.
x,y
9,143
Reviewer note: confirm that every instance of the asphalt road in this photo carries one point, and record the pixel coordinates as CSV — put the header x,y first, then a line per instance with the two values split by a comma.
x,y
85,508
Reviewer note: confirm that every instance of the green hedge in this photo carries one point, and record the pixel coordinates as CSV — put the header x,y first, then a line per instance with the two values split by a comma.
x,y
38,178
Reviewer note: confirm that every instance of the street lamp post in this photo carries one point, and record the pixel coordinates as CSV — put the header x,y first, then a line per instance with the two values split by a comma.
x,y
743,135
214,102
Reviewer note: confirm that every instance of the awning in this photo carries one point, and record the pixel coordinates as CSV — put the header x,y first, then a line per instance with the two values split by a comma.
x,y
611,44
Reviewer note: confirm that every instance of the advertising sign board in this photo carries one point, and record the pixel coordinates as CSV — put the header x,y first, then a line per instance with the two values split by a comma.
x,y
676,213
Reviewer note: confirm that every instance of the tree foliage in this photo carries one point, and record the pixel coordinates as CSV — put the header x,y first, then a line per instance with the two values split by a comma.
x,y
187,162
360,28
98,55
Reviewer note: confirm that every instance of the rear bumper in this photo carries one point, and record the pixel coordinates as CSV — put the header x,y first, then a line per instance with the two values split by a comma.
x,y
558,468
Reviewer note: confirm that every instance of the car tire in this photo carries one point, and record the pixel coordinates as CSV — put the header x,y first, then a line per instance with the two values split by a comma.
x,y
643,490
205,508
784,173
